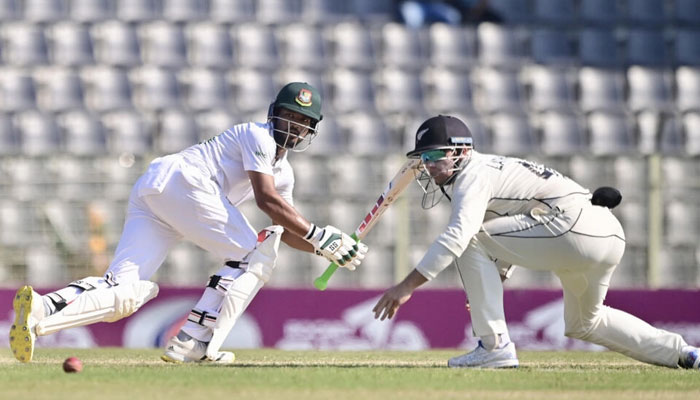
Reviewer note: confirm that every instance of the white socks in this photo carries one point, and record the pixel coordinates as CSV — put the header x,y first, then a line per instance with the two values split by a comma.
x,y
493,342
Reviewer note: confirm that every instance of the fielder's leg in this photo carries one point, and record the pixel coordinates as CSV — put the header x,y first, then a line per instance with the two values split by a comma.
x,y
482,282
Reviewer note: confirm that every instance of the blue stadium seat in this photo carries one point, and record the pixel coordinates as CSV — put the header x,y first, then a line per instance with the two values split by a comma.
x,y
555,12
209,45
499,45
128,132
231,11
350,90
656,132
512,11
177,130
497,90
447,90
600,12
116,43
324,12
549,88
154,88
302,46
687,47
38,133
691,126
17,90
41,11
278,11
687,12
401,47
23,44
312,76
137,10
255,46
599,48
452,46
163,44
91,11
351,46
214,121
646,13
601,89
69,44
9,10
610,133
204,88
398,91
647,47
552,47
105,88
561,133
512,133
632,177
83,133
185,10
649,89
18,223
373,10
366,132
252,89
58,89
9,141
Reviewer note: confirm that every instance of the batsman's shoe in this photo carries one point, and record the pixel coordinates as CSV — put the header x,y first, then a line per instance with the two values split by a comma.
x,y
504,357
29,310
690,358
185,349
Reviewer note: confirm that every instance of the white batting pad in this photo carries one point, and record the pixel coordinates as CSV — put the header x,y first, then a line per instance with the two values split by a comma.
x,y
100,305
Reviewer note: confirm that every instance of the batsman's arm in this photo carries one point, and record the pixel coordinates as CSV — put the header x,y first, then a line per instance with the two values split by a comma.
x,y
272,204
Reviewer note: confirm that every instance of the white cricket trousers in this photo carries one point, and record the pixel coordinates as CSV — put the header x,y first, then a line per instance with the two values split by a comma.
x,y
173,201
582,244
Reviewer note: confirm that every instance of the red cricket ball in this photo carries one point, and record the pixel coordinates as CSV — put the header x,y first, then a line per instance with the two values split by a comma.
x,y
72,364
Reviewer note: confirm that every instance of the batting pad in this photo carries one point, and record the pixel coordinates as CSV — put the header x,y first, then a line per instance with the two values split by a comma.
x,y
100,305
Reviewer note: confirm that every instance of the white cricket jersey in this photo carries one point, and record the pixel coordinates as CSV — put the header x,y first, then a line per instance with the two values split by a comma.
x,y
492,186
244,147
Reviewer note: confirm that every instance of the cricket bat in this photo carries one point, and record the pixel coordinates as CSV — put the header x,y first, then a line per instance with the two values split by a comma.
x,y
391,192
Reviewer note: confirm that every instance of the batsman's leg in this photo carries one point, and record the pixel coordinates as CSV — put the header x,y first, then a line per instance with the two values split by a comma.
x,y
29,309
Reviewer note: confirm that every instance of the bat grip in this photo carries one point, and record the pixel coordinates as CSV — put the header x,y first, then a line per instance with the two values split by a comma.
x,y
321,283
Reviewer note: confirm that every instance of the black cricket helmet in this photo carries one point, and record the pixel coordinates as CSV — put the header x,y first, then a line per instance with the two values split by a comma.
x,y
440,138
301,98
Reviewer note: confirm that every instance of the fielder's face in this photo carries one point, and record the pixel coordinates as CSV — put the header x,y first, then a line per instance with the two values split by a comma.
x,y
440,164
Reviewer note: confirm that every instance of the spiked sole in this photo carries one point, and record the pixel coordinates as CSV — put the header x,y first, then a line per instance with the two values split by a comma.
x,y
21,338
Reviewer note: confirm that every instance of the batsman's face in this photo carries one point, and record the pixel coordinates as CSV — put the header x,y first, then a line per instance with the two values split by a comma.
x,y
292,129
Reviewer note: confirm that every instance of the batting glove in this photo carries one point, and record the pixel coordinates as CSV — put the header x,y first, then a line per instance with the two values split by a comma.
x,y
336,246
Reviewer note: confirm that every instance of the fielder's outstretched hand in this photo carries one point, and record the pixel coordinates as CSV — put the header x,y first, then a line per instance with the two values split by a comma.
x,y
390,302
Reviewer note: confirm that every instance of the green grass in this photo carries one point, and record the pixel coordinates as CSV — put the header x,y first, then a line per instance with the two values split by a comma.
x,y
274,374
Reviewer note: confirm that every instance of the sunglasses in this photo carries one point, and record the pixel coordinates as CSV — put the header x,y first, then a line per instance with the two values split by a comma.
x,y
433,155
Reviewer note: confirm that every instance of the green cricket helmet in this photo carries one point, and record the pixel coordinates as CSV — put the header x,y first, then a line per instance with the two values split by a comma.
x,y
302,98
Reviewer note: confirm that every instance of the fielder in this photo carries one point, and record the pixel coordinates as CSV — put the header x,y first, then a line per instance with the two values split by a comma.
x,y
509,211
194,195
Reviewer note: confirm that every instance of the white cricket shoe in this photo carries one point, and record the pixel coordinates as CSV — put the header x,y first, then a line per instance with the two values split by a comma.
x,y
690,358
183,348
504,357
29,310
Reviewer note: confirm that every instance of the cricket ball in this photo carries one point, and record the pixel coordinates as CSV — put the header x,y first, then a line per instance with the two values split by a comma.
x,y
72,364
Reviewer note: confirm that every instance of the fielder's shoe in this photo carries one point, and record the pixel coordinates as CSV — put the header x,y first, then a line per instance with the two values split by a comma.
x,y
183,348
690,358
29,310
504,357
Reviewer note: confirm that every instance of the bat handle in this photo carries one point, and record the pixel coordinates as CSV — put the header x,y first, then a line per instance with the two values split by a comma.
x,y
321,283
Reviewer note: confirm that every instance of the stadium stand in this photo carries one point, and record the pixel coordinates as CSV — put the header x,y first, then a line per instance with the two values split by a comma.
x,y
92,90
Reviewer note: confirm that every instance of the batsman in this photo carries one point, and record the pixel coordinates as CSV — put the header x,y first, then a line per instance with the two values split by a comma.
x,y
508,211
194,195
